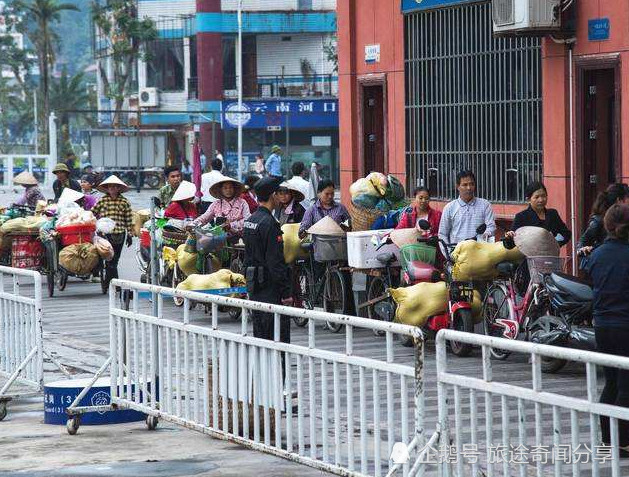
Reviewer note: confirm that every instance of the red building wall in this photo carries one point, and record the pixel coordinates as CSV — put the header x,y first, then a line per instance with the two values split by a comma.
x,y
360,23
556,101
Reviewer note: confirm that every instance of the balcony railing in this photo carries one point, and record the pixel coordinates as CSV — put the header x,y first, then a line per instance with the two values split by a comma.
x,y
274,87
283,86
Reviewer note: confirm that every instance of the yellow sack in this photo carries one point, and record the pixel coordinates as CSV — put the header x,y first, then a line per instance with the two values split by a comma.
x,y
187,261
22,225
379,181
417,303
79,259
223,278
477,260
292,243
362,186
170,256
138,219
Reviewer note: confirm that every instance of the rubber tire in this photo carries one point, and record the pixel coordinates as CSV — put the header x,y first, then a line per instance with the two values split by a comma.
x,y
50,282
152,181
178,301
550,365
332,302
3,410
498,354
62,280
72,425
102,275
406,341
151,422
305,285
462,320
377,288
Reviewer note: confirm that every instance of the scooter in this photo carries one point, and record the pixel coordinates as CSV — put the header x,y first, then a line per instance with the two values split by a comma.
x,y
569,319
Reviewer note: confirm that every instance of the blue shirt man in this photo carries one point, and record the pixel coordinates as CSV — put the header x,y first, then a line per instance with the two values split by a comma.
x,y
273,164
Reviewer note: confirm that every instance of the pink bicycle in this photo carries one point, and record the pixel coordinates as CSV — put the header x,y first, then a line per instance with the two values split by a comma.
x,y
508,315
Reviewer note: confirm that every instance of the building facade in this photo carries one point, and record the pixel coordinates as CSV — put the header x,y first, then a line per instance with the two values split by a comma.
x,y
290,84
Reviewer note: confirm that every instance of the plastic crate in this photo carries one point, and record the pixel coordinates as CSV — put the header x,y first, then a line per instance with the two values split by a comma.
x,y
73,234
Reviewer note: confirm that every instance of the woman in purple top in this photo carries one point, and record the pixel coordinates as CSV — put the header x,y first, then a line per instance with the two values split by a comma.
x,y
87,187
325,206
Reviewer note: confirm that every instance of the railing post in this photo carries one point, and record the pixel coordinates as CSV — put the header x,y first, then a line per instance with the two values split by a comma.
x,y
419,397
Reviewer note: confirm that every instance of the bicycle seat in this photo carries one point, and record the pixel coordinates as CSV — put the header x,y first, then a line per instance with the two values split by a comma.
x,y
506,269
307,246
570,285
386,258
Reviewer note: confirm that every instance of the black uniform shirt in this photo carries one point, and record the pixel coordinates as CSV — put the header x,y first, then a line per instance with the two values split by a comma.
x,y
264,247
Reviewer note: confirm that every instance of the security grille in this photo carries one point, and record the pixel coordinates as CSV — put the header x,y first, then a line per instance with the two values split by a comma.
x,y
472,102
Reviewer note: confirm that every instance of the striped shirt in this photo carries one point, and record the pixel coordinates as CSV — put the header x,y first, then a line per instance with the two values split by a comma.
x,y
460,219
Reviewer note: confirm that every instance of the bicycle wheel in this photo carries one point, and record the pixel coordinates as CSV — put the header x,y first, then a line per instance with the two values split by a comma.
x,y
102,274
495,307
303,292
50,282
462,321
334,296
62,279
176,280
382,310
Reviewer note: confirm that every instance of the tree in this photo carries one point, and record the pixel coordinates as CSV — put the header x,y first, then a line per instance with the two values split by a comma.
x,y
66,94
38,19
124,37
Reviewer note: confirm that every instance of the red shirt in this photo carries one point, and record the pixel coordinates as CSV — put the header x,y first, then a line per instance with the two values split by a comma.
x,y
181,210
251,201
409,219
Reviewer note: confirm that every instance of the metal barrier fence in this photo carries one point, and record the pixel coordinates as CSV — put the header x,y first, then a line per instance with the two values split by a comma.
x,y
483,431
336,411
38,165
21,340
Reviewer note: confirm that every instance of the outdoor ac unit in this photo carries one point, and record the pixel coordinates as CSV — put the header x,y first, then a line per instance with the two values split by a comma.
x,y
149,97
521,16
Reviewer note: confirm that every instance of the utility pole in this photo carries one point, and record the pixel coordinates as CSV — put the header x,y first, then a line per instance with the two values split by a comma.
x,y
239,73
35,121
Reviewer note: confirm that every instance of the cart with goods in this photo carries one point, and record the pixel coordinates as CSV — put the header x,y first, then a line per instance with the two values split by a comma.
x,y
19,239
75,247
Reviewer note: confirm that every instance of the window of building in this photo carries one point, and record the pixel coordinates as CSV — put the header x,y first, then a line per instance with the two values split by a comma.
x,y
229,62
472,102
304,5
165,65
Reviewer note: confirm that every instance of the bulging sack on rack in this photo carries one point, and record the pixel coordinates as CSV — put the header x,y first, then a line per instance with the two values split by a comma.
x,y
23,225
223,278
477,260
104,248
292,243
417,303
139,217
79,259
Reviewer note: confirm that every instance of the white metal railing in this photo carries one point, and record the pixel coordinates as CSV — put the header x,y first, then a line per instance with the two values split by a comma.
x,y
336,411
21,341
501,428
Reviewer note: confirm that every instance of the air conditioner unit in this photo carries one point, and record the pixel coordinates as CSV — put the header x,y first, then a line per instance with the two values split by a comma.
x,y
149,97
522,16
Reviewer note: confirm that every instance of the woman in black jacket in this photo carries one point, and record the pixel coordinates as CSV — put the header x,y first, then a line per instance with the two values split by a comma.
x,y
608,267
537,215
594,234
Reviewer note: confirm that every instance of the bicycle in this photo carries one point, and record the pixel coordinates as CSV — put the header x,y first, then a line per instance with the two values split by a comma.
x,y
506,316
329,289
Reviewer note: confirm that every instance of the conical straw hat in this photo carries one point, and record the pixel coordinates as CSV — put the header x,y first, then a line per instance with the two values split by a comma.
x,y
25,178
326,226
113,179
401,237
69,195
186,190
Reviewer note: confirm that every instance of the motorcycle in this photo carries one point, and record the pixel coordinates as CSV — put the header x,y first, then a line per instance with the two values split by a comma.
x,y
568,322
458,315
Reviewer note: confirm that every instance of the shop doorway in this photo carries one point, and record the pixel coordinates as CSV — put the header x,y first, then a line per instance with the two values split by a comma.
x,y
599,135
373,128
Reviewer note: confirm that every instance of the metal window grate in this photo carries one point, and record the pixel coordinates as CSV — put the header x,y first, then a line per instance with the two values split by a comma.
x,y
472,102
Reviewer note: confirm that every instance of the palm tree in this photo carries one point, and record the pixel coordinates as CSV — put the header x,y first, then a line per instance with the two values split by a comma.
x,y
66,94
40,15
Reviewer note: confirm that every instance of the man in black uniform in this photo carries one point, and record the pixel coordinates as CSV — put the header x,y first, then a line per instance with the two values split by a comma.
x,y
268,277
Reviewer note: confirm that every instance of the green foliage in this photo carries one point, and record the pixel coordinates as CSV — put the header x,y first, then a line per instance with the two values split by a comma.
x,y
124,34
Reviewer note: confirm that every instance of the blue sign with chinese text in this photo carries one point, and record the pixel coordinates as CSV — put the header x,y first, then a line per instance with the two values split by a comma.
x,y
598,29
294,113
414,5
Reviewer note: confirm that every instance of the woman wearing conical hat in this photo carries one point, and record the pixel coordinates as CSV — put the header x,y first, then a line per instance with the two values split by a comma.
x,y
115,206
290,210
181,206
229,205
32,193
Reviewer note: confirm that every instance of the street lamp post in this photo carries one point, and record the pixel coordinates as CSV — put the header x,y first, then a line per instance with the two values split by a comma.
x,y
239,73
